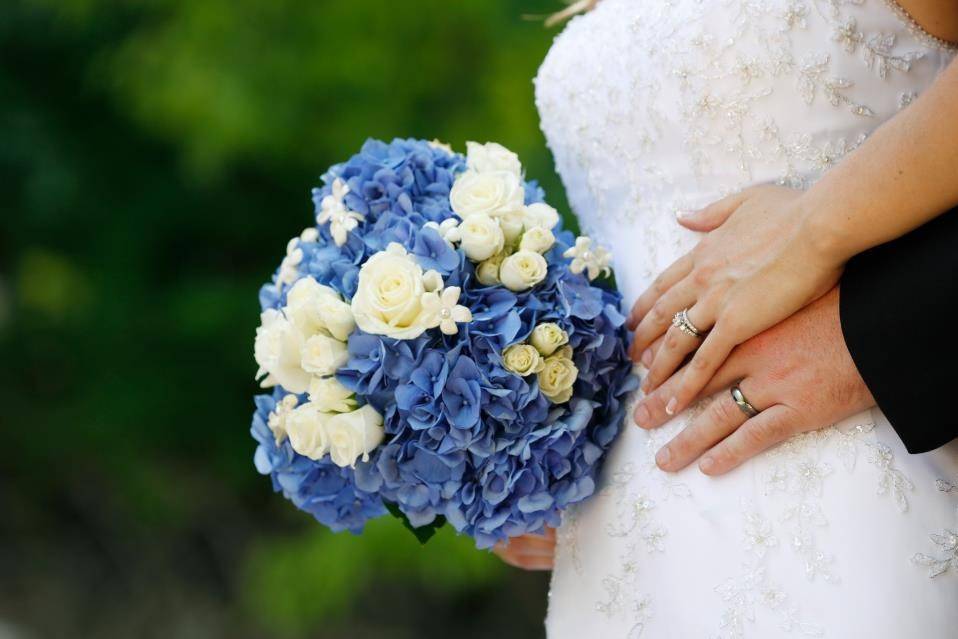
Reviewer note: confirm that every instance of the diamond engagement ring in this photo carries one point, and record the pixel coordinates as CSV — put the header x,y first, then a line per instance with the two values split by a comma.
x,y
682,322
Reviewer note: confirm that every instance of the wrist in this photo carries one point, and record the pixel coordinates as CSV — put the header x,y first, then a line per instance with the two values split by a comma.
x,y
822,235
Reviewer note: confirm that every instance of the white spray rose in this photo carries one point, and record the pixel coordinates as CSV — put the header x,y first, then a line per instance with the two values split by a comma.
x,y
278,352
331,396
322,355
306,428
487,272
537,239
389,294
522,359
303,305
522,270
492,157
489,192
557,377
353,434
548,337
512,226
480,237
337,316
540,214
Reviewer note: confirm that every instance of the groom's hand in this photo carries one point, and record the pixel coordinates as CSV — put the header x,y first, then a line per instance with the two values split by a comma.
x,y
798,373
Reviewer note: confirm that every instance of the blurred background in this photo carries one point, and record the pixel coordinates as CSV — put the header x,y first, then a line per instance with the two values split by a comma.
x,y
155,156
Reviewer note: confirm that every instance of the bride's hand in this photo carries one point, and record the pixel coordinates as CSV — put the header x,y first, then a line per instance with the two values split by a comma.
x,y
529,552
758,266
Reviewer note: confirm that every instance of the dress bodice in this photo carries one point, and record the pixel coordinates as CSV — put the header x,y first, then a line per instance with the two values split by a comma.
x,y
650,106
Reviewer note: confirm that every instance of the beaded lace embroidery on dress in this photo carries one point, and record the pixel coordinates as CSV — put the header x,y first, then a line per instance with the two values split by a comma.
x,y
655,106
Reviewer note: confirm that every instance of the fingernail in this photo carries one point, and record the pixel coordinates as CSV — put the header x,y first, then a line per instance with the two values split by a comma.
x,y
707,465
642,416
663,457
671,406
684,214
647,357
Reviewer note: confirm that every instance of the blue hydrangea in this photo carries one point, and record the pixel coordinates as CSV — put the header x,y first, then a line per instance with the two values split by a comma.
x,y
466,439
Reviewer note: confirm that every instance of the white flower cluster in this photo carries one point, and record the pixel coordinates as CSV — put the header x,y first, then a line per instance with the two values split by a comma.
x,y
503,236
548,355
594,261
333,211
397,299
300,347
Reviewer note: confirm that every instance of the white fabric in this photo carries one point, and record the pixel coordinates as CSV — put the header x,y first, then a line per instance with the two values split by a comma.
x,y
650,106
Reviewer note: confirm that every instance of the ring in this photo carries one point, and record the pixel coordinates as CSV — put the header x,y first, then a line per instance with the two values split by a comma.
x,y
682,322
740,401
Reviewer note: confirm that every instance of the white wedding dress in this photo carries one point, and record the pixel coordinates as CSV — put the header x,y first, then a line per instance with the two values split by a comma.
x,y
652,106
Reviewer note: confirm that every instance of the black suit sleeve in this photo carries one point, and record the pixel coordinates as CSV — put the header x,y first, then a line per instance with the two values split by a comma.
x,y
899,314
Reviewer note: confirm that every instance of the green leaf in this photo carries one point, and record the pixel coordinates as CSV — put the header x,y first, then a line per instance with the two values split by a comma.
x,y
422,533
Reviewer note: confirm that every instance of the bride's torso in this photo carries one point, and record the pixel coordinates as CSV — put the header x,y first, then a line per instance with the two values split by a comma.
x,y
654,106
651,106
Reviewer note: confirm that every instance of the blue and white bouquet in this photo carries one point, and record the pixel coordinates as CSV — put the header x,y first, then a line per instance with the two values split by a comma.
x,y
436,349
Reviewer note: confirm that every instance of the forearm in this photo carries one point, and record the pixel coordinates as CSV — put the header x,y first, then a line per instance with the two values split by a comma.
x,y
905,174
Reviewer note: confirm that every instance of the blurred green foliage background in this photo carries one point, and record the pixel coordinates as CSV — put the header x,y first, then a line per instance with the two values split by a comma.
x,y
155,155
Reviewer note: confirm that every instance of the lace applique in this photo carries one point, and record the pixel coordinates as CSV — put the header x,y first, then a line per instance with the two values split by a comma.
x,y
621,598
751,592
891,481
945,558
946,486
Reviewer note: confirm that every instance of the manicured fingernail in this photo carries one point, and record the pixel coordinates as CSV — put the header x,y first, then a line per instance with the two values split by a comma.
x,y
671,406
642,416
647,357
663,457
707,464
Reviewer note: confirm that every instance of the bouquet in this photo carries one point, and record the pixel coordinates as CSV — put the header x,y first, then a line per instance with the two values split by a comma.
x,y
436,348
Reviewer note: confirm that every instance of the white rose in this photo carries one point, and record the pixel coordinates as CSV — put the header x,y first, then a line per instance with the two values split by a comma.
x,y
353,434
522,359
306,429
331,396
492,157
303,305
487,272
481,237
337,316
388,297
537,239
512,226
548,337
522,270
489,192
556,379
278,352
540,214
322,355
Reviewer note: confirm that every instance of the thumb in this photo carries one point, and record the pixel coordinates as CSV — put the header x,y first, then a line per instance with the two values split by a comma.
x,y
713,215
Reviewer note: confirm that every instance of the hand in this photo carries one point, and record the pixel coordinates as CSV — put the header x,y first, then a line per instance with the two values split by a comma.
x,y
799,374
529,552
760,265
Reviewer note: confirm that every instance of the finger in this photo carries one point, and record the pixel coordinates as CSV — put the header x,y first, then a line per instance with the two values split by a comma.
x,y
666,280
650,411
769,427
713,215
716,423
648,355
532,545
707,359
658,320
676,346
